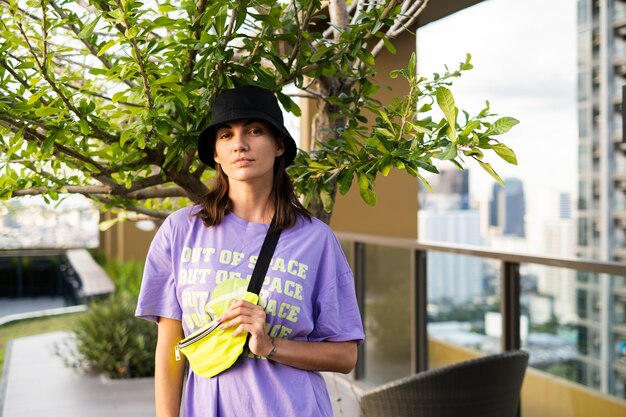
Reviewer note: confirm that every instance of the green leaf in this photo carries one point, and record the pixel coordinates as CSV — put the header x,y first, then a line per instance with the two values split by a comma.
x,y
125,136
288,104
47,111
390,47
474,152
47,145
35,97
487,167
182,97
344,181
84,127
467,65
449,152
426,183
367,57
386,168
87,30
500,126
412,65
172,78
505,153
327,201
107,45
120,95
470,127
427,166
385,132
107,224
367,193
445,100
166,7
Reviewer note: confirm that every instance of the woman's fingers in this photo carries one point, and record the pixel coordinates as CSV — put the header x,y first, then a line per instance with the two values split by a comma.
x,y
250,318
242,313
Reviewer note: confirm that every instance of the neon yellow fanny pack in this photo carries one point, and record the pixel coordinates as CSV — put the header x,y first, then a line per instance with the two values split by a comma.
x,y
211,350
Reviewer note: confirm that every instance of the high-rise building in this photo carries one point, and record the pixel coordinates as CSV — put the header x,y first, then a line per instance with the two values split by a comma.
x,y
507,208
558,241
601,219
445,216
564,204
450,191
452,278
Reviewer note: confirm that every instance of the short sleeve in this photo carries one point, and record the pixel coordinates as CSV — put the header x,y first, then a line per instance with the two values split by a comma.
x,y
337,316
157,297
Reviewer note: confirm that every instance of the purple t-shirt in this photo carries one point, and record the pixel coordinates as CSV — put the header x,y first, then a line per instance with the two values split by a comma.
x,y
191,274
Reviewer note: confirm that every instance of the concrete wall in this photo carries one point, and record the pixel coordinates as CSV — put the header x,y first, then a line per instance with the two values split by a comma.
x,y
124,241
395,214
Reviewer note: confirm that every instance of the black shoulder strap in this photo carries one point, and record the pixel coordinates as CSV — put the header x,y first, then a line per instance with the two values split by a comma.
x,y
265,256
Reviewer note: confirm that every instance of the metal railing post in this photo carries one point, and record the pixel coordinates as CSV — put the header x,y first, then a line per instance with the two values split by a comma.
x,y
358,260
510,291
419,316
510,306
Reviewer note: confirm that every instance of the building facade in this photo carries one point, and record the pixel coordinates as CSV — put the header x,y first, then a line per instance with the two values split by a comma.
x,y
507,208
601,220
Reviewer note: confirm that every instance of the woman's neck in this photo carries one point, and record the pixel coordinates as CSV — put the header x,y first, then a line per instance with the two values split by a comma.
x,y
251,202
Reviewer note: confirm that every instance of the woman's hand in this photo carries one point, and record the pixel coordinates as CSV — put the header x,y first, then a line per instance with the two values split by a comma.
x,y
248,317
302,354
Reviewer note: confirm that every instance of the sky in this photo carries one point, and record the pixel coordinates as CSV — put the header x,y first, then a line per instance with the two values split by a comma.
x,y
524,57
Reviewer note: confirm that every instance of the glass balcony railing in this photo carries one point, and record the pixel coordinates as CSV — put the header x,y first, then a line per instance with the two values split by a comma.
x,y
427,305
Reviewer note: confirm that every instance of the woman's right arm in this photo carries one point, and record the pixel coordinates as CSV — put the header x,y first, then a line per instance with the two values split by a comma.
x,y
168,373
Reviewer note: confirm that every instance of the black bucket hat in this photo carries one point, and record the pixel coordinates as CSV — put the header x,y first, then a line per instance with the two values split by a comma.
x,y
247,102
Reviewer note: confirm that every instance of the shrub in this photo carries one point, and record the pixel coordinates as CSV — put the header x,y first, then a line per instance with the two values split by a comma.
x,y
126,276
112,341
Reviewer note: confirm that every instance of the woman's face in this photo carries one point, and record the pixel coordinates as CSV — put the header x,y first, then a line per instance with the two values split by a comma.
x,y
246,149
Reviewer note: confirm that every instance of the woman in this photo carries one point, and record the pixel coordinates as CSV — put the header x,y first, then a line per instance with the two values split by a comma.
x,y
202,257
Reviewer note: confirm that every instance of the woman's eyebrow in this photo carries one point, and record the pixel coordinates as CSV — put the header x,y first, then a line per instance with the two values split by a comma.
x,y
222,126
253,121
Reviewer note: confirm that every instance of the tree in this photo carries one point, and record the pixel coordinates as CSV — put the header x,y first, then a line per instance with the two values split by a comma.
x,y
105,98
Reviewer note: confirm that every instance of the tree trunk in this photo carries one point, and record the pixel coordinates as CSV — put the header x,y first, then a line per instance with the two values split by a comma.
x,y
325,128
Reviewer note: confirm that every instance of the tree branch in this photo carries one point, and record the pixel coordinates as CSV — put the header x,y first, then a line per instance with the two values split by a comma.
x,y
402,24
150,181
95,94
139,59
70,189
101,134
191,53
59,150
92,49
92,190
338,17
151,213
157,193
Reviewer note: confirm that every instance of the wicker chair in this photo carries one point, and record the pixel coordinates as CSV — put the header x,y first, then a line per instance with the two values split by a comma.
x,y
485,387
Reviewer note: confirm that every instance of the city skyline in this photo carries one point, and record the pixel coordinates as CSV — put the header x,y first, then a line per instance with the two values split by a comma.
x,y
524,61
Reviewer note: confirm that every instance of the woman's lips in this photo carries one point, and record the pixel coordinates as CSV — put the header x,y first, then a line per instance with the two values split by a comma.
x,y
243,162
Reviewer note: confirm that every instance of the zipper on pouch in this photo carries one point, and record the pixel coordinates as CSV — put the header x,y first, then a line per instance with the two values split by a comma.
x,y
186,342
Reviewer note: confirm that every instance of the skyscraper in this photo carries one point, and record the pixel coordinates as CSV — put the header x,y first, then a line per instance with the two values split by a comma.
x,y
601,222
558,241
450,191
507,208
445,216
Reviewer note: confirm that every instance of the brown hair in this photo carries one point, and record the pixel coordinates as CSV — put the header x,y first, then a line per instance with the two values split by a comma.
x,y
216,204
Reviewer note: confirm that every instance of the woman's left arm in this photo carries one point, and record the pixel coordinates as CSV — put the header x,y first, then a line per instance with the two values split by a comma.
x,y
310,356
313,356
